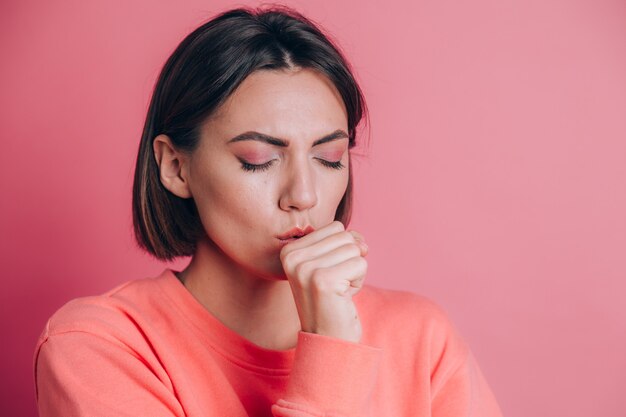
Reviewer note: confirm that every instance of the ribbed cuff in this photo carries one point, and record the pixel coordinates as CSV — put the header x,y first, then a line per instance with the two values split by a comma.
x,y
332,375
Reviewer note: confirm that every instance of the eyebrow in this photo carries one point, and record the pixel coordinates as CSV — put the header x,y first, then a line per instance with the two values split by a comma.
x,y
251,135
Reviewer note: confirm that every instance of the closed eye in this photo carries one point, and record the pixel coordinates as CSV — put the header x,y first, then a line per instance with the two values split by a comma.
x,y
254,167
329,164
265,166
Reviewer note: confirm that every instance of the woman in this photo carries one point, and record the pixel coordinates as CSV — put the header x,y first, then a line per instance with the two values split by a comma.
x,y
244,165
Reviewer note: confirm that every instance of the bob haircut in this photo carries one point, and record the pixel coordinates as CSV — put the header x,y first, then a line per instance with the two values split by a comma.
x,y
203,71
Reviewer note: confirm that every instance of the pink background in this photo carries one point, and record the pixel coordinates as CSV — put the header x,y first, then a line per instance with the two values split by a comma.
x,y
495,182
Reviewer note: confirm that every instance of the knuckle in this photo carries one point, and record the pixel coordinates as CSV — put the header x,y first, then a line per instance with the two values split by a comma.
x,y
319,280
357,235
303,270
338,225
362,264
346,237
351,249
284,252
288,257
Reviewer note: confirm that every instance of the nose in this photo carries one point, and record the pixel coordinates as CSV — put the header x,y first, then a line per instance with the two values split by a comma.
x,y
299,191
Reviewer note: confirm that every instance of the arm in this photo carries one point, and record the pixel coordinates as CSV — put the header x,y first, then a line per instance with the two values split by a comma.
x,y
81,374
465,392
333,373
458,387
330,377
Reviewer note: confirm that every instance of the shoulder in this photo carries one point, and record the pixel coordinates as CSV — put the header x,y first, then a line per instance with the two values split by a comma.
x,y
116,315
404,321
404,306
103,347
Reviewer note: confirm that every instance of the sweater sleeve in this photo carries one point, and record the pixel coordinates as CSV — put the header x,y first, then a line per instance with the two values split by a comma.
x,y
80,374
465,393
458,387
330,377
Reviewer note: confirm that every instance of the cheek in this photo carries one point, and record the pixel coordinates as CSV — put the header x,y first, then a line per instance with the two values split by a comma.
x,y
334,188
229,200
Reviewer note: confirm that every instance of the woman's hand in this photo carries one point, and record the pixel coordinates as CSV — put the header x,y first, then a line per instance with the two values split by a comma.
x,y
325,269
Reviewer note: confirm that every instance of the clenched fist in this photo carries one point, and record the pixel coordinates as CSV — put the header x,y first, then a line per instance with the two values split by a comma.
x,y
325,269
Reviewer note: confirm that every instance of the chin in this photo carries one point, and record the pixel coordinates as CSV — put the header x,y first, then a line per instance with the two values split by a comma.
x,y
271,271
275,275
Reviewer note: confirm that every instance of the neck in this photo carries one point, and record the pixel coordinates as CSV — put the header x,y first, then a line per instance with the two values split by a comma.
x,y
260,310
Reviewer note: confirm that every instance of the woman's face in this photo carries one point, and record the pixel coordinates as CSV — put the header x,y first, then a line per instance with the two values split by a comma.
x,y
273,157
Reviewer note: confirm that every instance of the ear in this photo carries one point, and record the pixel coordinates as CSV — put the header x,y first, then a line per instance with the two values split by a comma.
x,y
172,166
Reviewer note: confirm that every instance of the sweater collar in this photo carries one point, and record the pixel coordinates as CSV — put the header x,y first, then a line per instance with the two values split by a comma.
x,y
221,338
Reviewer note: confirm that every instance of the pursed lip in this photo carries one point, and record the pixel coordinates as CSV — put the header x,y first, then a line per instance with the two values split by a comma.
x,y
296,232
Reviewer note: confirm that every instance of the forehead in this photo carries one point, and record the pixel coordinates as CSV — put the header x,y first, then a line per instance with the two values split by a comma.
x,y
295,105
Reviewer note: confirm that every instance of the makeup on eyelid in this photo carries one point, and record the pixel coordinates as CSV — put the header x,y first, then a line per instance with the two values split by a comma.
x,y
334,155
259,160
255,157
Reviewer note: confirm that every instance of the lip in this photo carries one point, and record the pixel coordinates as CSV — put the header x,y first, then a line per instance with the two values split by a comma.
x,y
295,233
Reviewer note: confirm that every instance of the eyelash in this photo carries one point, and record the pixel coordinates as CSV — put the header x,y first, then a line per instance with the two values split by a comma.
x,y
263,167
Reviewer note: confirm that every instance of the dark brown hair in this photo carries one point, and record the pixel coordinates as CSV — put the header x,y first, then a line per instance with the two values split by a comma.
x,y
203,71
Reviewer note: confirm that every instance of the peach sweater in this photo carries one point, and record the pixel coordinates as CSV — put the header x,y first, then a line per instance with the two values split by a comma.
x,y
149,348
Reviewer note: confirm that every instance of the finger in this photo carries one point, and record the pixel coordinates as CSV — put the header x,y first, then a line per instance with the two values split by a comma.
x,y
328,259
364,248
356,234
317,249
347,275
315,236
361,241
